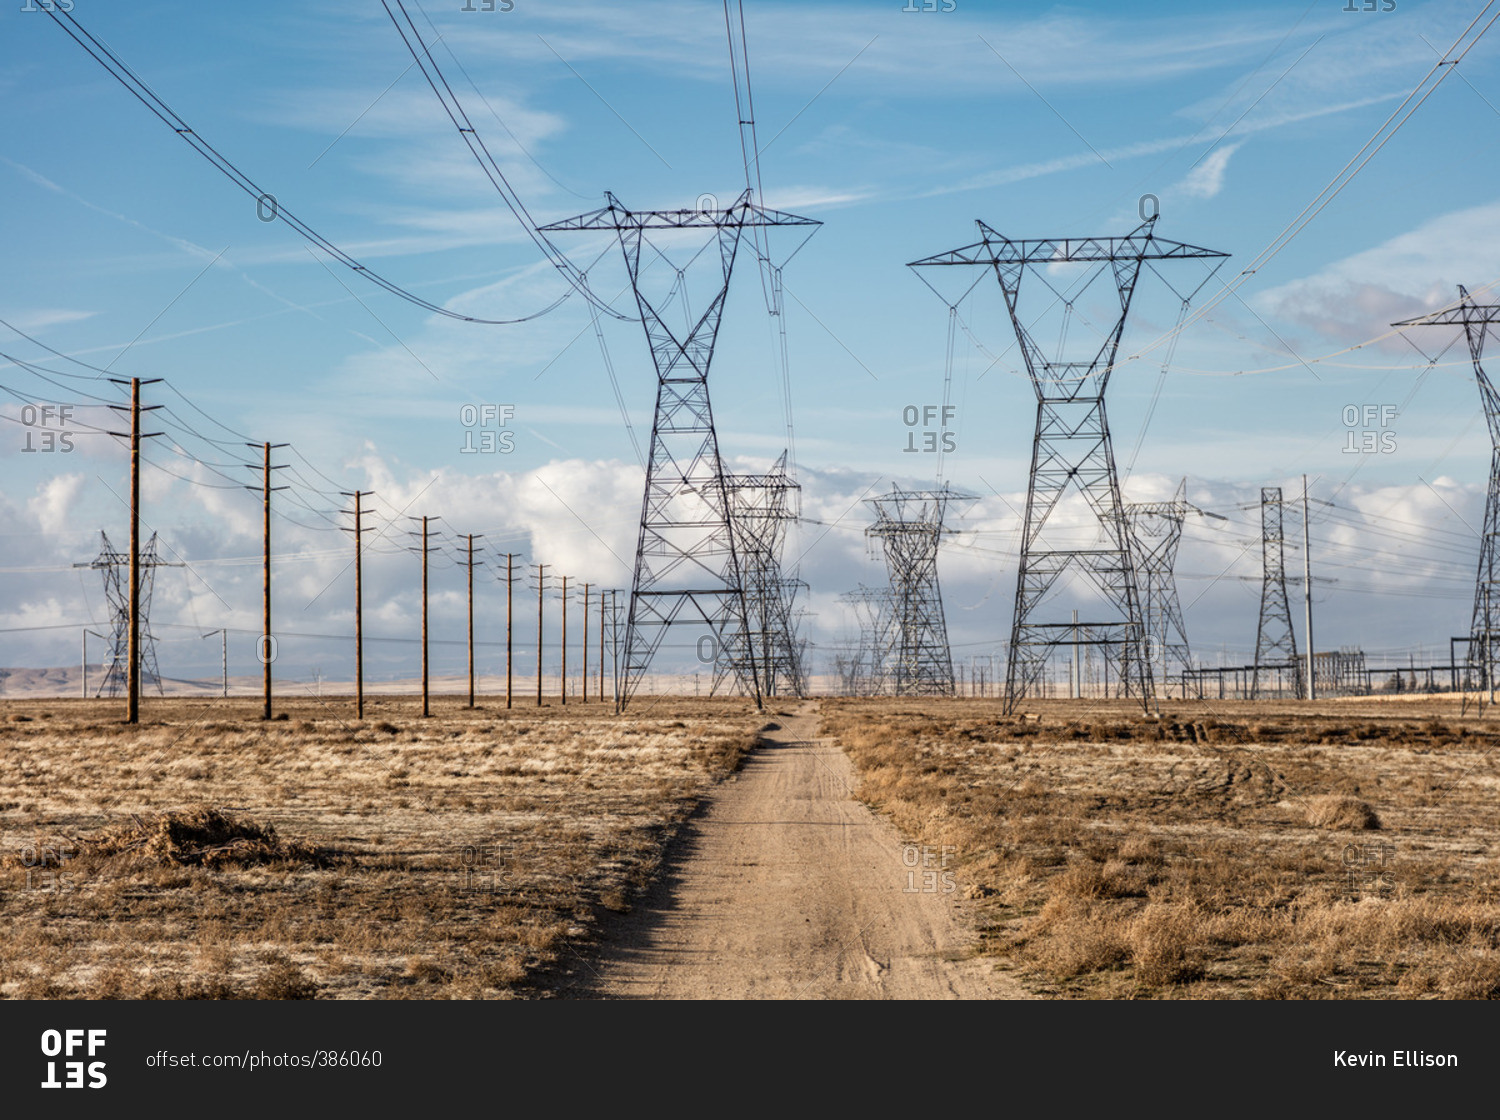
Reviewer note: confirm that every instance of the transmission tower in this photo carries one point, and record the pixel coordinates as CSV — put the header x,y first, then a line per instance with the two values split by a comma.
x,y
1072,449
1275,640
688,570
759,509
1484,629
1155,533
865,674
114,566
909,529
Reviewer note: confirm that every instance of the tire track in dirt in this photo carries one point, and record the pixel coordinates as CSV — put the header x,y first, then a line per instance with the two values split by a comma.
x,y
782,886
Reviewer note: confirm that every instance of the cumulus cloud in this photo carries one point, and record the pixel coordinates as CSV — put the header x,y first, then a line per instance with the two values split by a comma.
x,y
1411,274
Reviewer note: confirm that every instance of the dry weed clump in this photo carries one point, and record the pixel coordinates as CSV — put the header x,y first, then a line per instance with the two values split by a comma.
x,y
1335,811
201,836
1222,851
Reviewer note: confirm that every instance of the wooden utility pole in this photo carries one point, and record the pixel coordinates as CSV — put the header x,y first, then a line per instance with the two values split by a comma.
x,y
601,645
426,697
266,647
509,603
584,672
135,435
1312,674
562,687
359,607
541,588
471,618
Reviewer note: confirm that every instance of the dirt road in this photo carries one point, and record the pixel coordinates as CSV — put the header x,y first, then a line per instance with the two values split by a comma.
x,y
785,887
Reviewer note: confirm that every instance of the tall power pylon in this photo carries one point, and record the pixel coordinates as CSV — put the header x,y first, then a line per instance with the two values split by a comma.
x,y
759,508
114,566
1155,534
1275,640
909,529
1072,448
1484,628
865,674
688,570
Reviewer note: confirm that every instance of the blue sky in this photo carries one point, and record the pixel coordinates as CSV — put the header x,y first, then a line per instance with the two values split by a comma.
x,y
896,129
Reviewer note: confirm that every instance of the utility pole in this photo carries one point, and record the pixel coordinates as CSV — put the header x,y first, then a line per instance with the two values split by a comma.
x,y
1312,675
585,670
509,603
541,589
426,693
266,649
562,687
359,606
471,618
601,644
133,675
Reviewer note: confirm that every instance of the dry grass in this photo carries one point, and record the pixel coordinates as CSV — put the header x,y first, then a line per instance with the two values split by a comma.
x,y
208,854
1223,851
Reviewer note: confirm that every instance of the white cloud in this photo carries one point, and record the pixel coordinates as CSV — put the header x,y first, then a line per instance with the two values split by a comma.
x,y
1415,272
1207,179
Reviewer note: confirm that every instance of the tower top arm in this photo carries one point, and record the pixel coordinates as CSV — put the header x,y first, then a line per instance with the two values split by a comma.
x,y
741,213
1467,313
1139,244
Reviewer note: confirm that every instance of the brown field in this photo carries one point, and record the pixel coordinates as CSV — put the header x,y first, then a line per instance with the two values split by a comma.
x,y
208,854
1227,850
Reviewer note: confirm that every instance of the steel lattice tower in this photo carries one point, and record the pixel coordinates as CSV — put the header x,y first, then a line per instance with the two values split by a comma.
x,y
867,671
1275,634
687,566
759,509
909,527
1071,450
114,566
1155,534
1484,628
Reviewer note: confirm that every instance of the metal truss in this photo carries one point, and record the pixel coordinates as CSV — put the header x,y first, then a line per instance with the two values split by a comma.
x,y
1484,628
114,566
688,570
1072,450
1275,640
909,529
867,672
1155,534
759,509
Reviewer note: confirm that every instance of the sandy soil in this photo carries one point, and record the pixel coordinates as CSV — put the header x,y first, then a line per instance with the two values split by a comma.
x,y
784,887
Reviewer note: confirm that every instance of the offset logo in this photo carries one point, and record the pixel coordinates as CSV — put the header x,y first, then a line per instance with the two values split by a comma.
x,y
67,1044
